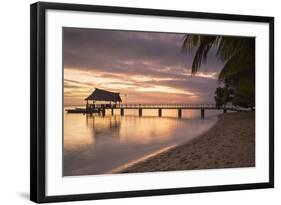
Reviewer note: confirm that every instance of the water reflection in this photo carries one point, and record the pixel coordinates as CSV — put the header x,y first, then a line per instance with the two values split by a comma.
x,y
96,145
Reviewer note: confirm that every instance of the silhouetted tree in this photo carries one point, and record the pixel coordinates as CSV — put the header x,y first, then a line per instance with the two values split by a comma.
x,y
223,95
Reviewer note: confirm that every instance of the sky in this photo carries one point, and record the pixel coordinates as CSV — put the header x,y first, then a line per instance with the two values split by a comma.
x,y
144,67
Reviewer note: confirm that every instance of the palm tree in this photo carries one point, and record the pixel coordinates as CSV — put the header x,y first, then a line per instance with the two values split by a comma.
x,y
238,56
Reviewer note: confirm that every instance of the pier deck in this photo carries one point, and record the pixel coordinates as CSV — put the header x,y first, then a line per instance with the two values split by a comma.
x,y
101,109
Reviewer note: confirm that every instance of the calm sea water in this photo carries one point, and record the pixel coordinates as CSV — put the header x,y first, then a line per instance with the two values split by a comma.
x,y
98,145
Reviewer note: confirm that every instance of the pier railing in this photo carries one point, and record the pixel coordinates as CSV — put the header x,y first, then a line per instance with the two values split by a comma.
x,y
160,107
101,108
174,106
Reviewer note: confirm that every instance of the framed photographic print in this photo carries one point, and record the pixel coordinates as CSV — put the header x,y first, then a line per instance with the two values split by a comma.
x,y
129,102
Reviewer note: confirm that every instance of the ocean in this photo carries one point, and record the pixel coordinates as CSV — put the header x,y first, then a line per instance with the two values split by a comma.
x,y
98,145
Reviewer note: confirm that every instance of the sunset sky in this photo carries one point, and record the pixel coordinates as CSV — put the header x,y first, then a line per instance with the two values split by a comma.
x,y
144,66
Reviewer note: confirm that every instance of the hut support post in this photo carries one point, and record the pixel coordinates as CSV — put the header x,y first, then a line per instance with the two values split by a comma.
x,y
179,113
160,112
122,111
202,113
112,111
103,112
224,110
140,112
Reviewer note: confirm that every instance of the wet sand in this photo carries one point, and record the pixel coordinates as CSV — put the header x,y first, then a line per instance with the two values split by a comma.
x,y
229,143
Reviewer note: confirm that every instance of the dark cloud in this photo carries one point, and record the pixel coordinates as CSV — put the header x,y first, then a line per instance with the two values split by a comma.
x,y
120,54
109,49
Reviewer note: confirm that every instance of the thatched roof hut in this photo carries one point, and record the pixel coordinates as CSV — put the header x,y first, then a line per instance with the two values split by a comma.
x,y
104,95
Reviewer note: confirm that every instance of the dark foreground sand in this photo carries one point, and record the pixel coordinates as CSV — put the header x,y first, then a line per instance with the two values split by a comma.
x,y
229,143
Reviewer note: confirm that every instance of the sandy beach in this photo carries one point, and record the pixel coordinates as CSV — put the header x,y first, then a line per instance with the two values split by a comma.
x,y
229,143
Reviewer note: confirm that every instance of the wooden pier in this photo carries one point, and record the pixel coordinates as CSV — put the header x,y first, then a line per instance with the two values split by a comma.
x,y
101,109
113,102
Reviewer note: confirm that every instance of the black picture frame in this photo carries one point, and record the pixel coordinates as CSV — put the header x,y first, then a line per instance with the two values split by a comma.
x,y
38,101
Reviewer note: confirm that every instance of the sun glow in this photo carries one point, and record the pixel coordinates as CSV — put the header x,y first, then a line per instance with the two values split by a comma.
x,y
79,83
210,75
164,89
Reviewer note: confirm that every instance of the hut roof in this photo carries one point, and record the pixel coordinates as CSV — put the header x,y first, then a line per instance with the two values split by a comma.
x,y
104,95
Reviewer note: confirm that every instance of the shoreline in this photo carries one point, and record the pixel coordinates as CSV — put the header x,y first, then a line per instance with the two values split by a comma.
x,y
141,159
148,156
227,144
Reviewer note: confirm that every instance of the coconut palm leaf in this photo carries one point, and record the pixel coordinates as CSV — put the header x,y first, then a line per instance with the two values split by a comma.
x,y
238,55
203,45
242,60
236,52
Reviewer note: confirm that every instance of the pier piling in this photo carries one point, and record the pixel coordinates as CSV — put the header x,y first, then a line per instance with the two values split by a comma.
x,y
112,111
160,112
122,111
202,113
179,113
224,110
140,112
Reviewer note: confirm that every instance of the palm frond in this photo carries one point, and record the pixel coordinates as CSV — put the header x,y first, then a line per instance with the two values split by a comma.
x,y
237,53
203,45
